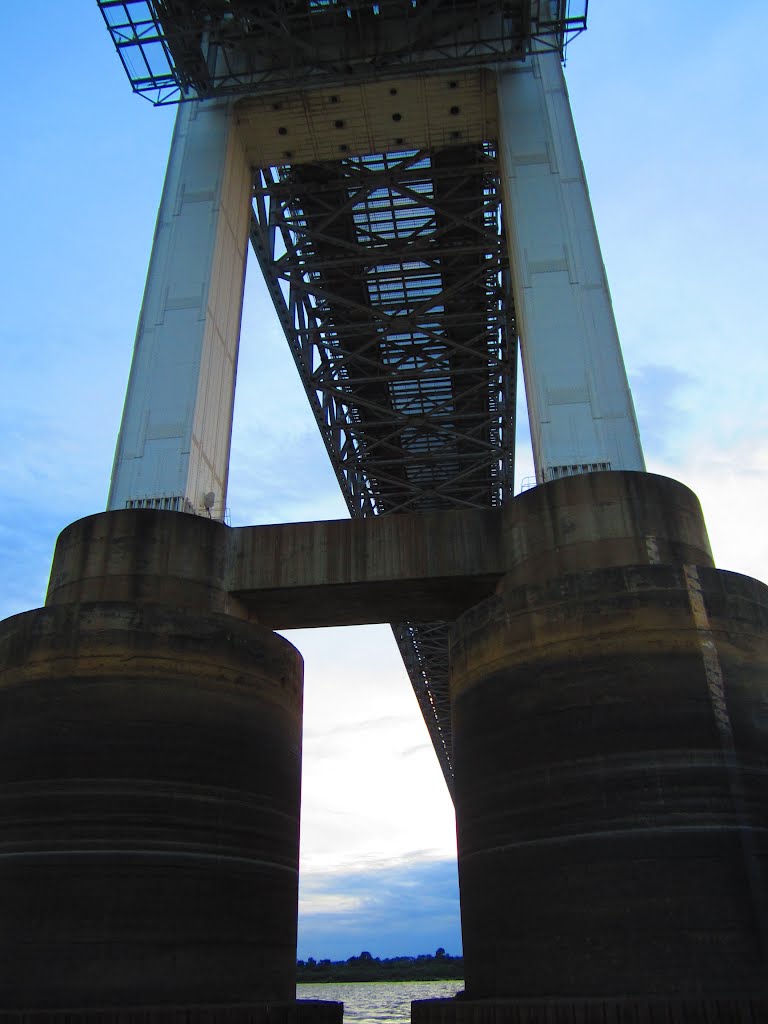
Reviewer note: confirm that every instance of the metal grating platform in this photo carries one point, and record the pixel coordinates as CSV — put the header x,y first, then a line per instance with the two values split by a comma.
x,y
186,49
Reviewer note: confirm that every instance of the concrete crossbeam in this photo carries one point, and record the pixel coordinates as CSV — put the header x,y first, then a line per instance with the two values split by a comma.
x,y
344,572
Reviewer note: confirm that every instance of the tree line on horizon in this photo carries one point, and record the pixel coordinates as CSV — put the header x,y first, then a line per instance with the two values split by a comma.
x,y
365,967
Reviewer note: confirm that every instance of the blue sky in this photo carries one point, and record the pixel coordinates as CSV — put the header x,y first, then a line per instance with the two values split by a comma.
x,y
670,107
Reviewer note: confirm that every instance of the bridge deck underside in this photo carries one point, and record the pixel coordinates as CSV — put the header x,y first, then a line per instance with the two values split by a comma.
x,y
174,49
388,275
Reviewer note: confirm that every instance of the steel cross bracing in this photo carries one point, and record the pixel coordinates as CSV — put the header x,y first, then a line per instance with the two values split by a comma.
x,y
187,49
389,277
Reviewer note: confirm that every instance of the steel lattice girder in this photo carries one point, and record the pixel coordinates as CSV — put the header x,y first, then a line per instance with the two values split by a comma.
x,y
187,49
389,277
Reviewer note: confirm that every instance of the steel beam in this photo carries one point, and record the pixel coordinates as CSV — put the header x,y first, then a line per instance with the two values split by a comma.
x,y
388,276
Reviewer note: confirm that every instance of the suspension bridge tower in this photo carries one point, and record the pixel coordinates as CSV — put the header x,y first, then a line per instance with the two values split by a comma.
x,y
407,175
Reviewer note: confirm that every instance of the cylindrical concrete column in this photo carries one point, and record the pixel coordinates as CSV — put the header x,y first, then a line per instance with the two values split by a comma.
x,y
610,732
149,807
144,556
600,520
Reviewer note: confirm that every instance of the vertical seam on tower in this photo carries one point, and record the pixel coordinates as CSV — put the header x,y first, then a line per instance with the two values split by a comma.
x,y
712,668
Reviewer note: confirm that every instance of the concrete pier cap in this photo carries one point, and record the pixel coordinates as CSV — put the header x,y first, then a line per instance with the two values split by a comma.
x,y
143,555
602,519
426,566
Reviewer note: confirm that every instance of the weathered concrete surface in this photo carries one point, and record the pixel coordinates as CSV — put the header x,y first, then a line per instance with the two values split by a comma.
x,y
610,730
381,569
601,520
297,1011
627,1010
145,556
611,754
150,763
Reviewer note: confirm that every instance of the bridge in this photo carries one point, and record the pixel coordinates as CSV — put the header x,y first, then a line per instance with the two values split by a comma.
x,y
377,220
408,177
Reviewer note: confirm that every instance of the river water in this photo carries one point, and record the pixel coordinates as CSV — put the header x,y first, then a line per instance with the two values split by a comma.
x,y
379,1002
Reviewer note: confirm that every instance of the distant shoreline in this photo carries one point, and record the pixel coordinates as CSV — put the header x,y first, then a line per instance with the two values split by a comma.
x,y
440,967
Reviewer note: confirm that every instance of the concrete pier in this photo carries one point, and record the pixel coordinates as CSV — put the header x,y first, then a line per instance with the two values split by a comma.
x,y
610,722
150,767
610,727
611,793
150,761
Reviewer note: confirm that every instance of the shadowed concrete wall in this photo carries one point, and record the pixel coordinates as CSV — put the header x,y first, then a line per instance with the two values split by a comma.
x,y
150,768
610,828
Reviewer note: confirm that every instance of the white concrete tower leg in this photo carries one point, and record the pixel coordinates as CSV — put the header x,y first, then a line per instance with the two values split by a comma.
x,y
174,441
579,402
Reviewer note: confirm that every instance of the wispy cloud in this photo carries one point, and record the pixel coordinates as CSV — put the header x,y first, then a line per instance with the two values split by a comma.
x,y
353,729
731,482
418,749
395,908
663,397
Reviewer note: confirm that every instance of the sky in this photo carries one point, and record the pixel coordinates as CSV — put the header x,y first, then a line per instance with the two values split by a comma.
x,y
670,107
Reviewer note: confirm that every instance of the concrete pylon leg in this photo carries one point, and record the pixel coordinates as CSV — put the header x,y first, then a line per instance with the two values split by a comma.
x,y
173,447
150,767
579,404
610,743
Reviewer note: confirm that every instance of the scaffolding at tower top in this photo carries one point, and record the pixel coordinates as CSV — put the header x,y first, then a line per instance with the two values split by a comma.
x,y
174,50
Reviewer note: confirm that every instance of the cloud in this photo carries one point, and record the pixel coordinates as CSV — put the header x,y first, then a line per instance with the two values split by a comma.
x,y
396,908
371,784
731,482
662,403
418,749
327,903
355,728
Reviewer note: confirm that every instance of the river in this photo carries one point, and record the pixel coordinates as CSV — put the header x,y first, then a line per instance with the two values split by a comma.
x,y
379,1002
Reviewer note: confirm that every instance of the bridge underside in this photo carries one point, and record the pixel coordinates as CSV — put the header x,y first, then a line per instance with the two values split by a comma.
x,y
389,278
181,49
377,222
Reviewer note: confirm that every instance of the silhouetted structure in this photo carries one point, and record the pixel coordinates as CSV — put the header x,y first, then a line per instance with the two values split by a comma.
x,y
408,175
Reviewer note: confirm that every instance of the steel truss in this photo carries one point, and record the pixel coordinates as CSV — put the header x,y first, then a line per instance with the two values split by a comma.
x,y
189,49
388,275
